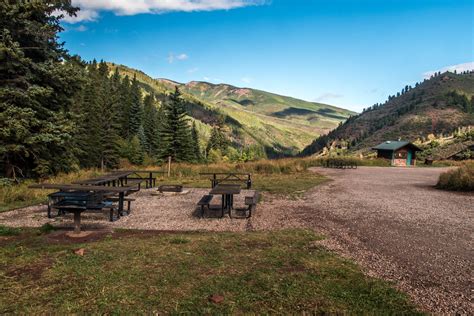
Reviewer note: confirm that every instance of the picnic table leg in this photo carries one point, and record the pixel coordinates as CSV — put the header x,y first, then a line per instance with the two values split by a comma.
x,y
121,199
150,183
223,204
229,204
77,222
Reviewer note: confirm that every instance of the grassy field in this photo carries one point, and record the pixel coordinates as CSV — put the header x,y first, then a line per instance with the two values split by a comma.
x,y
150,272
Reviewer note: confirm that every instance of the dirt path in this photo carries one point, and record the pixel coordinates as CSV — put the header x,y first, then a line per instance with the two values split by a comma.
x,y
395,224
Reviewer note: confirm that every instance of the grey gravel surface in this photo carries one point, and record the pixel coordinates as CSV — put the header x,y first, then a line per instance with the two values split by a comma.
x,y
394,223
390,220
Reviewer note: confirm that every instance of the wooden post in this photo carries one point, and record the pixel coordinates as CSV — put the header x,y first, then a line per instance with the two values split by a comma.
x,y
169,166
77,222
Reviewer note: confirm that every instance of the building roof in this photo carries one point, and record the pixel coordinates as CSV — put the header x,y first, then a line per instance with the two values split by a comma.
x,y
395,145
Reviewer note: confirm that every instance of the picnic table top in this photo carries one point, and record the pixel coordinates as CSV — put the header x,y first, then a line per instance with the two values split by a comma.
x,y
77,187
104,178
226,189
224,173
142,171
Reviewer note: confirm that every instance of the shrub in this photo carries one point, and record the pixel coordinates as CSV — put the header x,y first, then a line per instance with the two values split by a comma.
x,y
460,179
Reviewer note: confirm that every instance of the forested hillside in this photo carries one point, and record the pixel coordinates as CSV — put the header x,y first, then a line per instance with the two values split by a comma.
x,y
439,105
269,124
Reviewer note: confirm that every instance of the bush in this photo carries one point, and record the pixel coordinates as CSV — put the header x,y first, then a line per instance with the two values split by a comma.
x,y
460,179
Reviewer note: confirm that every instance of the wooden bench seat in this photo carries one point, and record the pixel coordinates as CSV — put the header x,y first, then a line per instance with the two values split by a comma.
x,y
251,202
74,202
205,201
126,199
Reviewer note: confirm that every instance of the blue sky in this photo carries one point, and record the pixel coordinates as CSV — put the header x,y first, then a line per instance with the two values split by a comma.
x,y
343,52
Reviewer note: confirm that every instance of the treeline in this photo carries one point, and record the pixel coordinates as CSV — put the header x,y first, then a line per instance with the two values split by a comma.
x,y
60,114
115,120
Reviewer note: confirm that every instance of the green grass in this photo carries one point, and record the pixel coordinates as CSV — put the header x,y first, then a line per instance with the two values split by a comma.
x,y
9,231
265,272
288,184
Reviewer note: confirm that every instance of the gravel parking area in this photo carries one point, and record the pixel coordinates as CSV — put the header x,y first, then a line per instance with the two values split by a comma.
x,y
394,223
167,212
390,220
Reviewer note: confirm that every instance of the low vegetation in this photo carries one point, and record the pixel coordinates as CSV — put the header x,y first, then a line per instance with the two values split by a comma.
x,y
459,179
191,273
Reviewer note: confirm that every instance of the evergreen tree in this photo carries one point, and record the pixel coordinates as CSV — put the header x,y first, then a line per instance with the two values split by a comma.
x,y
195,143
37,87
124,108
151,125
175,133
217,141
135,114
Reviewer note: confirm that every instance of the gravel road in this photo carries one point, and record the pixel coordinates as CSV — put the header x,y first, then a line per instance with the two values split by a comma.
x,y
393,222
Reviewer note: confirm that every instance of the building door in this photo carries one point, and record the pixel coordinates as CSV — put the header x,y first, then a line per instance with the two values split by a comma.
x,y
409,158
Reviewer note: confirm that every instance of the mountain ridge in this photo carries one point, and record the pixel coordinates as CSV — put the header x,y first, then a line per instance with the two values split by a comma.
x,y
438,105
281,125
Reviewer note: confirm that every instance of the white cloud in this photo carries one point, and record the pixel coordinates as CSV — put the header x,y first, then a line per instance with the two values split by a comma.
x,y
328,96
90,8
458,68
182,57
83,15
193,70
214,80
81,28
247,80
172,57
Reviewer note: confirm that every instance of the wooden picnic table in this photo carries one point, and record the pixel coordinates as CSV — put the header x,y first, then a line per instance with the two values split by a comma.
x,y
219,177
116,178
227,191
151,181
85,188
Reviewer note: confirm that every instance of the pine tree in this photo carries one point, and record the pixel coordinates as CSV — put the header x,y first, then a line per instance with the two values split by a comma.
x,y
135,115
37,87
124,108
218,140
150,125
175,133
195,143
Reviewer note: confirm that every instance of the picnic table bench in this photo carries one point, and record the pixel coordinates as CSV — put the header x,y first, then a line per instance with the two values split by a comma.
x,y
251,203
205,201
340,164
229,177
149,177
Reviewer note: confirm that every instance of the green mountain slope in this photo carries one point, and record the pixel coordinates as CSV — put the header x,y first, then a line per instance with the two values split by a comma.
x,y
439,105
280,125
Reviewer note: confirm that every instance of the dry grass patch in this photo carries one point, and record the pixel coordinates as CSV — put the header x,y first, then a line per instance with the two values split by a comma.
x,y
459,179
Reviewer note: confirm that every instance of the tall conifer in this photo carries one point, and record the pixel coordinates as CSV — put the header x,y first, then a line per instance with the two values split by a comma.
x,y
176,133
